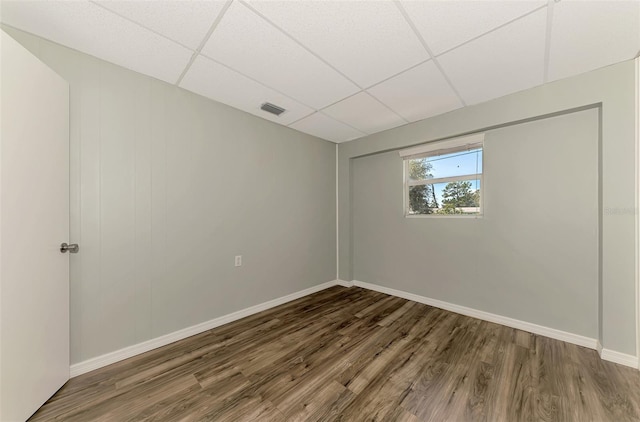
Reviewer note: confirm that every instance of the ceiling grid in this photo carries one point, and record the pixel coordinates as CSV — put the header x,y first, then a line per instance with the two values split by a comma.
x,y
547,40
204,40
343,69
426,47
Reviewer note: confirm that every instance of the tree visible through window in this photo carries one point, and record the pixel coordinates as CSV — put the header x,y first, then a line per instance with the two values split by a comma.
x,y
422,198
459,195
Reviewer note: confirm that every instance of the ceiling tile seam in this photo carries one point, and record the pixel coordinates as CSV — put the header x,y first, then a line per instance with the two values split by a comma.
x,y
210,32
347,124
199,52
376,98
334,119
139,24
363,132
299,43
386,106
493,29
192,59
406,119
428,50
214,25
260,83
340,100
547,40
397,74
302,118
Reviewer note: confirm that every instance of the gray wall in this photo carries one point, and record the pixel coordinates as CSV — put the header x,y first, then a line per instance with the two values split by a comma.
x,y
612,91
166,187
533,256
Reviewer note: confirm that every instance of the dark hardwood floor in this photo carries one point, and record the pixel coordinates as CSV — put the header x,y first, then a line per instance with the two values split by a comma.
x,y
348,354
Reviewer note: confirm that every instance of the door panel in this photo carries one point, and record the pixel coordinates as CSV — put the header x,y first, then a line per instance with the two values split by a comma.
x,y
34,221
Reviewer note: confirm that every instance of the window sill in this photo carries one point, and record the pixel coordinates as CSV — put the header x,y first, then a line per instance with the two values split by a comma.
x,y
475,216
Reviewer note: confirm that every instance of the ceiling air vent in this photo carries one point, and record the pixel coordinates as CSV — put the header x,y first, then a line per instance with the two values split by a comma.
x,y
273,109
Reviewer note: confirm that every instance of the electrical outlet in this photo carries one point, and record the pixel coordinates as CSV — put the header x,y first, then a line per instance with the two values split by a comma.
x,y
238,260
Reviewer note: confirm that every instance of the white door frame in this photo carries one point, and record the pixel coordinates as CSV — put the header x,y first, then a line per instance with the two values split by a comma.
x,y
637,201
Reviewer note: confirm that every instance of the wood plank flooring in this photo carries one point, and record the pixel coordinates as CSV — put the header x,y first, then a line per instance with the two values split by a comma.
x,y
348,354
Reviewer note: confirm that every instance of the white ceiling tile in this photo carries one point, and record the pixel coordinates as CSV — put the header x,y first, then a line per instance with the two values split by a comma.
x,y
366,40
507,60
486,48
327,128
418,93
364,113
184,21
586,35
447,24
215,81
247,43
91,29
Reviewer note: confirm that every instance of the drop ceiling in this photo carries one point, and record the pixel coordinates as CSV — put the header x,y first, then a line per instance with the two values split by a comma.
x,y
343,69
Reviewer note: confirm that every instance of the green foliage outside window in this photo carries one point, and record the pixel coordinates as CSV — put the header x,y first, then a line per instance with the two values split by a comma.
x,y
457,195
422,199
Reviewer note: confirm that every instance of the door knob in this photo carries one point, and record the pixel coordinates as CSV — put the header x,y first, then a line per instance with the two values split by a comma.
x,y
72,248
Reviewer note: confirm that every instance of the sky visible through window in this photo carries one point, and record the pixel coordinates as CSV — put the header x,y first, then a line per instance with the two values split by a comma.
x,y
455,164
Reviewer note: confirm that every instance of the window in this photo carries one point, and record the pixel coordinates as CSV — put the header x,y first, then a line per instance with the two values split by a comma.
x,y
444,178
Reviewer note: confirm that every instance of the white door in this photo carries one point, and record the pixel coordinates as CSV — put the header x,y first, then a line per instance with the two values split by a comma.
x,y
34,221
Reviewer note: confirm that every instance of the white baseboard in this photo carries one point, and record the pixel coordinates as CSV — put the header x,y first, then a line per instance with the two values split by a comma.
x,y
486,316
620,358
136,349
591,343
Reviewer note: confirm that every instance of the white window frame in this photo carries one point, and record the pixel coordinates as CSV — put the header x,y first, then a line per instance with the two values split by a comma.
x,y
433,149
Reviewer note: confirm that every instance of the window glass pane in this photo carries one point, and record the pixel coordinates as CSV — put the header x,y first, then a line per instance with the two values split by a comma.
x,y
445,198
447,165
421,200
